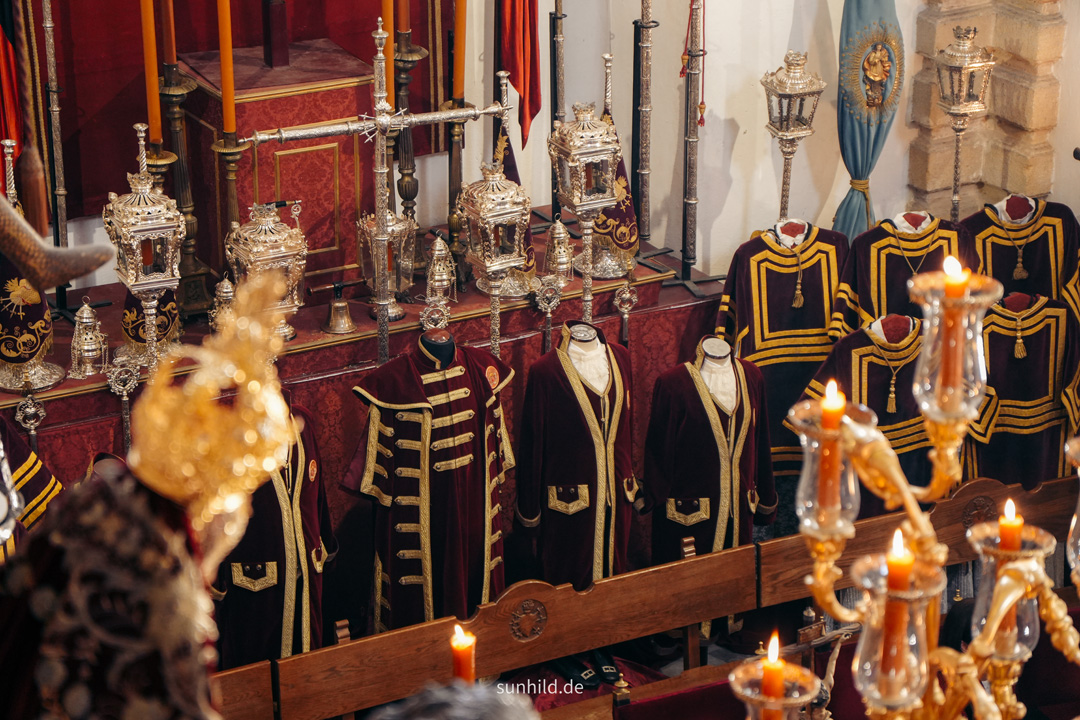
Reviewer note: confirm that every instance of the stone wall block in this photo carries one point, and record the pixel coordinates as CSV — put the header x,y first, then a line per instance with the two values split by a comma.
x,y
1028,102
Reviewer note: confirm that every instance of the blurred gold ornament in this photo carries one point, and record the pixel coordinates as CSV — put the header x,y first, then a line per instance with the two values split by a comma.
x,y
204,454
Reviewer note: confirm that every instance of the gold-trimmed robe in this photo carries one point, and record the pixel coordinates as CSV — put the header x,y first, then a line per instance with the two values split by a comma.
x,y
433,459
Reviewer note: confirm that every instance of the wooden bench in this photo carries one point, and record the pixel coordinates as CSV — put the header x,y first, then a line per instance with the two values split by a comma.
x,y
533,622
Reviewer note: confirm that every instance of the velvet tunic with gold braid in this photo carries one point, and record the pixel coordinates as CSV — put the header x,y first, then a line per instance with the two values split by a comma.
x,y
883,259
269,589
34,481
575,479
708,470
787,343
1038,257
879,374
433,458
1034,398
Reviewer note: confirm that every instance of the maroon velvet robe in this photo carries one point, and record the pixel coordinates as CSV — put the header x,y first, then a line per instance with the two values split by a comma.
x,y
1051,245
708,470
32,478
860,363
787,344
575,480
269,589
434,457
1034,400
882,260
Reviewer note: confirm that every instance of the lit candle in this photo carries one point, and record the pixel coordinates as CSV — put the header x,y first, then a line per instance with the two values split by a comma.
x,y
899,562
403,18
150,70
168,31
1010,527
463,645
951,382
459,49
772,678
832,412
228,88
388,49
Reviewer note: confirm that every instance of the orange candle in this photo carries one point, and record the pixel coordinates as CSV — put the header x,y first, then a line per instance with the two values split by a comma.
x,y
150,70
388,49
772,678
459,49
1010,527
403,18
168,31
463,645
228,87
899,562
832,412
951,382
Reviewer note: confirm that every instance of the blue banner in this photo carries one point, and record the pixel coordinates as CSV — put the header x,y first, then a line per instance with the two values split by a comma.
x,y
871,77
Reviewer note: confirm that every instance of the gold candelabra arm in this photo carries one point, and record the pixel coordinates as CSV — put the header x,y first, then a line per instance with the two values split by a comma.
x,y
961,674
825,552
1055,613
1016,580
879,470
946,439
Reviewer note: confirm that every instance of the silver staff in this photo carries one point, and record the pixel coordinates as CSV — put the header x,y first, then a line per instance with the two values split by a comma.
x,y
644,144
60,191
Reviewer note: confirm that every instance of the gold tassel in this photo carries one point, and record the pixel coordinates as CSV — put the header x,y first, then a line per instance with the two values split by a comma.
x,y
797,301
891,406
1019,349
1020,272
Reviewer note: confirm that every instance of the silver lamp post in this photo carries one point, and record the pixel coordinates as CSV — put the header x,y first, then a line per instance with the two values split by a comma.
x,y
963,71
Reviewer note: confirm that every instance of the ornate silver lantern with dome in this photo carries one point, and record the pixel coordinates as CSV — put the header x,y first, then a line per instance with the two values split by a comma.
x,y
496,213
400,256
146,228
585,154
266,243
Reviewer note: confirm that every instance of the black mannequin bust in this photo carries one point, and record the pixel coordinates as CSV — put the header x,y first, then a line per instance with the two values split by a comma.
x,y
439,343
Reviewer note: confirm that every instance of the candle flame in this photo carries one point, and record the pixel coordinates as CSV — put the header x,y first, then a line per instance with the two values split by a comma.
x,y
774,647
952,267
1010,509
831,392
898,543
459,634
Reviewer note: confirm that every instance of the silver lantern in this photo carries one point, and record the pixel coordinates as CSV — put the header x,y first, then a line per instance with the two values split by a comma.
x,y
266,243
400,257
146,228
89,346
792,95
963,70
585,154
496,215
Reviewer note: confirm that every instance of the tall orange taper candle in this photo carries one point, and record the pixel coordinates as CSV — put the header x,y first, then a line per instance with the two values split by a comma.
x,y
403,16
168,31
899,562
772,678
832,412
150,69
951,382
459,49
463,645
228,88
388,49
1010,528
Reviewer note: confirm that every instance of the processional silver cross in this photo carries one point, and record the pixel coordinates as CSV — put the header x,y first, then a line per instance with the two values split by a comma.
x,y
379,127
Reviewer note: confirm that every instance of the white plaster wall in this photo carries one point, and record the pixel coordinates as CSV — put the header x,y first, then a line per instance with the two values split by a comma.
x,y
740,167
1066,136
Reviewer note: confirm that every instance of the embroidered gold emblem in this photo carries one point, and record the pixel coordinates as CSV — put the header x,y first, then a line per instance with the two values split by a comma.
x,y
492,376
312,470
242,579
19,294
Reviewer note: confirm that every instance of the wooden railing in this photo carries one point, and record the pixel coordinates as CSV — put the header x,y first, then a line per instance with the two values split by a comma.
x,y
533,622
